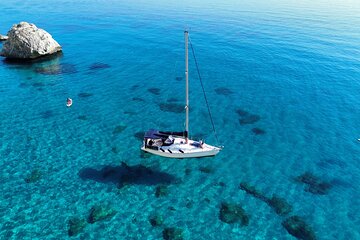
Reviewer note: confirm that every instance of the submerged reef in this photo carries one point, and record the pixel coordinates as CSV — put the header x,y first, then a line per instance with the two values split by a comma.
x,y
85,95
258,131
99,65
172,107
119,129
247,118
297,227
172,234
155,91
161,191
156,220
206,169
98,213
280,205
223,91
233,213
56,69
76,225
34,176
315,185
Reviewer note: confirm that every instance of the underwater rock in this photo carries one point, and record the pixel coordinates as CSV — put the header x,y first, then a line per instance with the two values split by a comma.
x,y
137,99
82,117
114,149
189,203
96,66
155,91
3,38
172,234
119,129
232,213
258,131
161,191
26,41
314,184
179,78
171,107
241,112
187,171
34,176
156,220
249,119
223,91
75,226
297,227
280,205
56,69
98,213
47,114
85,95
206,169
252,191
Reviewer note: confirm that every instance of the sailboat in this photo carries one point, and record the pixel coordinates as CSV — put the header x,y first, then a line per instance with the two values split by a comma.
x,y
177,144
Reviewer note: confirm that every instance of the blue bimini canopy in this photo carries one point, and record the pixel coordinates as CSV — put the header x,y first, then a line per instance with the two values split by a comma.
x,y
156,134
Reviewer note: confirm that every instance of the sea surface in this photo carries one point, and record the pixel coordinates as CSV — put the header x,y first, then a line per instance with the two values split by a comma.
x,y
282,80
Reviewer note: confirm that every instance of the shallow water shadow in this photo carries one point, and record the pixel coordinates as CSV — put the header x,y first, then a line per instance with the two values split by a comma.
x,y
29,62
155,91
125,174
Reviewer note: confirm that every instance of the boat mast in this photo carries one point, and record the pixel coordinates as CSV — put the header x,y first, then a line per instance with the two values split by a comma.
x,y
186,33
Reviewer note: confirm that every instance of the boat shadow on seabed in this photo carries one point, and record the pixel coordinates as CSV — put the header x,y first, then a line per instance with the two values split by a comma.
x,y
125,174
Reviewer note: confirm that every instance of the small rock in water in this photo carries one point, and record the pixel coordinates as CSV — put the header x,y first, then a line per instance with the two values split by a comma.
x,y
314,184
75,226
178,78
96,66
26,41
172,107
258,131
156,220
241,112
233,213
137,99
98,213
206,169
297,227
82,117
34,176
173,234
84,95
223,91
155,91
249,119
161,191
252,191
119,129
280,205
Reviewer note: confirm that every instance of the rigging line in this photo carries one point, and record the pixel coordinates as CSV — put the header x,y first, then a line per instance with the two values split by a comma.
x,y
202,86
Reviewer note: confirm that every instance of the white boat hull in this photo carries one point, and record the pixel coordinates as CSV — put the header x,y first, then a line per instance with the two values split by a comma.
x,y
180,149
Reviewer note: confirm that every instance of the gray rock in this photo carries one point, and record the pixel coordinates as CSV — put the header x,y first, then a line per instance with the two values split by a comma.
x,y
3,38
26,41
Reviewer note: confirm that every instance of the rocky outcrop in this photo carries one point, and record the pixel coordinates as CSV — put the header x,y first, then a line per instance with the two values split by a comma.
x,y
232,213
297,227
3,38
26,41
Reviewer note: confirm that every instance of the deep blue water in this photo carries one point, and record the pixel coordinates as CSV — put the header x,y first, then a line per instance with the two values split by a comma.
x,y
294,66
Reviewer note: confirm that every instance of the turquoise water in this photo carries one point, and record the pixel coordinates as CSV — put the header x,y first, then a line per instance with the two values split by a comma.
x,y
295,66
